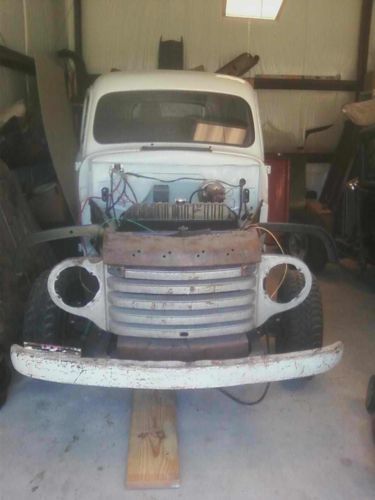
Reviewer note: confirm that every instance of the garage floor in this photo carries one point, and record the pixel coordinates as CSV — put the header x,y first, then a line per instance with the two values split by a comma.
x,y
303,442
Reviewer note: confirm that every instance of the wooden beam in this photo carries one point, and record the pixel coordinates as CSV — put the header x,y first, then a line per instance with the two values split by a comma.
x,y
153,460
16,61
78,27
310,157
363,43
301,83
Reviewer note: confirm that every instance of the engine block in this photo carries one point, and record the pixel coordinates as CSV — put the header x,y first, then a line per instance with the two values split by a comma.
x,y
181,212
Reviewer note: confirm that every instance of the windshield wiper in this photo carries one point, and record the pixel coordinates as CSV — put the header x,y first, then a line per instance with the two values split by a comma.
x,y
177,148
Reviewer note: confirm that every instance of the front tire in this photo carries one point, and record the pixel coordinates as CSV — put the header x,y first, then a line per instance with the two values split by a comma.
x,y
301,328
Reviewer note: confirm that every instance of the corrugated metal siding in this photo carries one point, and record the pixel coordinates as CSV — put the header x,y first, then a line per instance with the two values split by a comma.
x,y
12,85
311,37
46,32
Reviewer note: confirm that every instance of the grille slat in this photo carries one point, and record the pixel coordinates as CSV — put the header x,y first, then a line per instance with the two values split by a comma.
x,y
188,287
181,303
181,318
181,275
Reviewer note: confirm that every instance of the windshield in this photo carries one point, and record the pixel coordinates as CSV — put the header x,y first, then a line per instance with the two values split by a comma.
x,y
173,116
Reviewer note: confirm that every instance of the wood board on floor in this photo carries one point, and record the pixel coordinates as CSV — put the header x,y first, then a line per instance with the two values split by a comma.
x,y
153,460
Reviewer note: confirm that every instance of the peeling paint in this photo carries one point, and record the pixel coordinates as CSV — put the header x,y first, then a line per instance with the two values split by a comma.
x,y
105,372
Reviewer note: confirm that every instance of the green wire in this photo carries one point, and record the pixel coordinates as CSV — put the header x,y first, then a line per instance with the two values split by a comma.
x,y
108,221
140,225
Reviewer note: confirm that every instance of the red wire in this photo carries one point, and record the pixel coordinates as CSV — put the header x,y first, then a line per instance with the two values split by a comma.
x,y
85,203
95,198
118,185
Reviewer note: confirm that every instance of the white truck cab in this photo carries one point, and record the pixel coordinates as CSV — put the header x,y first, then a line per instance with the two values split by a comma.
x,y
173,194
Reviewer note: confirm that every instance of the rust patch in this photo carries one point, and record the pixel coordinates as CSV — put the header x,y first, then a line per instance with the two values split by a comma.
x,y
213,249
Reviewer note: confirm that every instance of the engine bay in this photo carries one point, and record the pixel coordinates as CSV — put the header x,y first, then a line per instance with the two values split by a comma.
x,y
134,201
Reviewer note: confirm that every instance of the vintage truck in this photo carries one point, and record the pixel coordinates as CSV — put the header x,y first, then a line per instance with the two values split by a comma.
x,y
175,286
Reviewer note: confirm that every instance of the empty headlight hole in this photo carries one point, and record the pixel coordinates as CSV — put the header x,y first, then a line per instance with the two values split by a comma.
x,y
274,282
76,286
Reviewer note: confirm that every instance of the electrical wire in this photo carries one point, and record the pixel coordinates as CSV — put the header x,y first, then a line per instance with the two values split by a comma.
x,y
261,397
139,224
176,180
241,200
132,191
83,206
246,403
114,203
195,192
125,182
83,284
111,194
270,233
108,221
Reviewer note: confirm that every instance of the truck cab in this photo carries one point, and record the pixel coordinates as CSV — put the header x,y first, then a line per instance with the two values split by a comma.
x,y
175,272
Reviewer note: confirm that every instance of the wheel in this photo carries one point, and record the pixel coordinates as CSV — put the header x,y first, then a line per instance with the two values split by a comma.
x,y
46,323
306,247
300,328
370,398
43,320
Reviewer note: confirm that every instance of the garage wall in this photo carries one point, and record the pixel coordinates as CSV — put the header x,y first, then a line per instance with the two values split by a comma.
x,y
371,55
28,26
311,37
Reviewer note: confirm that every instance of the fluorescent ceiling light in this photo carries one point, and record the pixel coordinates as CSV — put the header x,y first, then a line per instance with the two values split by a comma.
x,y
255,9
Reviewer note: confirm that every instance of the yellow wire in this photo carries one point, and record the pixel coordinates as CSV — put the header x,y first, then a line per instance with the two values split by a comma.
x,y
281,250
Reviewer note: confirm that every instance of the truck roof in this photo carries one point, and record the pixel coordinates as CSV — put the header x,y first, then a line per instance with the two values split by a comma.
x,y
171,80
121,81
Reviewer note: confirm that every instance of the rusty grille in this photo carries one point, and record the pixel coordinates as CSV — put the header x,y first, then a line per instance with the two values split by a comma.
x,y
175,303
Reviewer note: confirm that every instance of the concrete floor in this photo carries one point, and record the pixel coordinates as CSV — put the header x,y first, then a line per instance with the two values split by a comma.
x,y
305,441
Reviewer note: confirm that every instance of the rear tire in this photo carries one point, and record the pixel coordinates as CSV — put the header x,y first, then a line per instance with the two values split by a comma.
x,y
301,328
306,247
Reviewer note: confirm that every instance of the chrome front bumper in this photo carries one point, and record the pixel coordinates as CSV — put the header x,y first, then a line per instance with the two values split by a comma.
x,y
107,372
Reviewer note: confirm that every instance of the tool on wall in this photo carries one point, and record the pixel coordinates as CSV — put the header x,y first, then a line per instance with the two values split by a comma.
x,y
240,65
171,54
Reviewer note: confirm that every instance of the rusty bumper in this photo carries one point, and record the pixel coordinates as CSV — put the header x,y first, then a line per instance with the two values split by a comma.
x,y
71,369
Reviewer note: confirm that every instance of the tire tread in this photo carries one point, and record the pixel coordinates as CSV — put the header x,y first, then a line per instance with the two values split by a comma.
x,y
42,320
301,327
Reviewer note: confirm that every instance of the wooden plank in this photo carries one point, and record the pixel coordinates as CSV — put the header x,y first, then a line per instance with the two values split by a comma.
x,y
153,460
240,65
58,125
